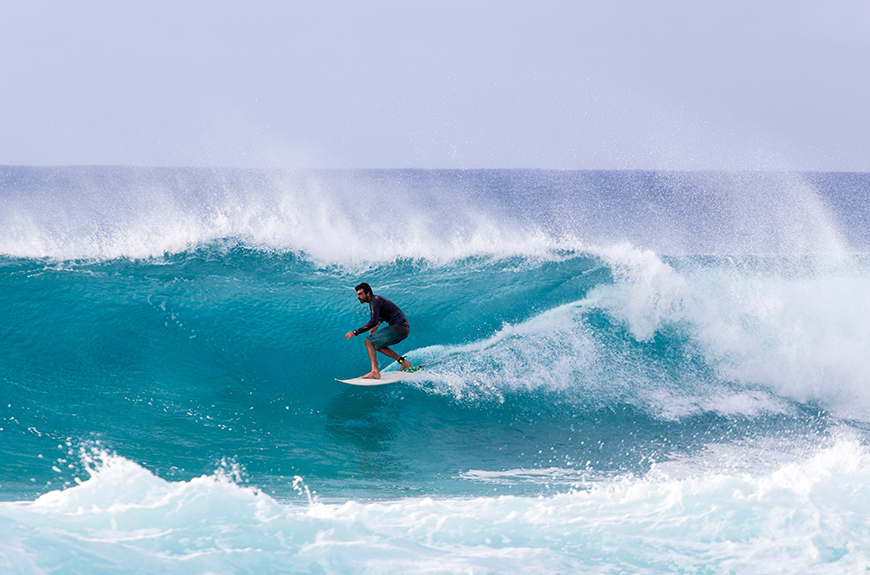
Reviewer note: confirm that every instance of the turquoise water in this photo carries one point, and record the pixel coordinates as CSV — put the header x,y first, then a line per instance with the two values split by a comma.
x,y
625,372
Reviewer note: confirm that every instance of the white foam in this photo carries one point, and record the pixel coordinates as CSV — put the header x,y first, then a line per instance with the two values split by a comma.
x,y
805,515
795,327
550,351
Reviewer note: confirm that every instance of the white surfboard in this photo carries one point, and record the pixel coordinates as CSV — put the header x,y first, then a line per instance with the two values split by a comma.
x,y
386,377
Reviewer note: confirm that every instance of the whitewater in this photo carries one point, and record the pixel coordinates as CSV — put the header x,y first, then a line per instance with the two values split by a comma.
x,y
625,372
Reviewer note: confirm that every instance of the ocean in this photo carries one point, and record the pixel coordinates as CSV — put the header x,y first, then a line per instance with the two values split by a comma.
x,y
624,372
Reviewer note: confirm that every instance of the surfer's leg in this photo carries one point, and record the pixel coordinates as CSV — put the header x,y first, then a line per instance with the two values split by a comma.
x,y
375,373
380,341
393,355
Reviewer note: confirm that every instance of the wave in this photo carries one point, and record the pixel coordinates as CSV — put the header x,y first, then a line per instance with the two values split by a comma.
x,y
625,371
805,515
671,336
597,363
354,217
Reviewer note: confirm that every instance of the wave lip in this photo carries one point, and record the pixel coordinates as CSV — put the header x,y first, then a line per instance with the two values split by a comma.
x,y
115,212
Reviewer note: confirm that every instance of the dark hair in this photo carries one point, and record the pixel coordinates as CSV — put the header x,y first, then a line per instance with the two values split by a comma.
x,y
365,287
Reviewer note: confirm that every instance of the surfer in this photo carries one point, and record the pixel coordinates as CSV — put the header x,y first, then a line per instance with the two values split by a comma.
x,y
379,340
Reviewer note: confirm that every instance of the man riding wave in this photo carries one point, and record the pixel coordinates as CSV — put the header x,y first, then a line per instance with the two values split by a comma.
x,y
398,328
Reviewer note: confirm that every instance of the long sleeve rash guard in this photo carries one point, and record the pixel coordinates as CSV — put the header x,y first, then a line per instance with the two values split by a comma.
x,y
382,310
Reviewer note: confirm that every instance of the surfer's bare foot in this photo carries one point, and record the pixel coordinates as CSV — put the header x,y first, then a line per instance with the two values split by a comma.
x,y
372,375
405,365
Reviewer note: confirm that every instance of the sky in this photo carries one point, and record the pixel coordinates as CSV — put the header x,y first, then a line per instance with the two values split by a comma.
x,y
684,85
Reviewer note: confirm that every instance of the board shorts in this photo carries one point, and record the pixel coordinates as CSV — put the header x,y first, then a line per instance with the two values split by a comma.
x,y
390,335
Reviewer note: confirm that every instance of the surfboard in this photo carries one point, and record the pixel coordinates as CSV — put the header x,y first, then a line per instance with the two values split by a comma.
x,y
386,377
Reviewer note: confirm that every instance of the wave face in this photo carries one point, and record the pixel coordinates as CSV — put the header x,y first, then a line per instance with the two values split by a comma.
x,y
623,371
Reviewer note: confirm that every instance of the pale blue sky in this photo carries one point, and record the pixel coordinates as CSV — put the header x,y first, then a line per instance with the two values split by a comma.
x,y
579,85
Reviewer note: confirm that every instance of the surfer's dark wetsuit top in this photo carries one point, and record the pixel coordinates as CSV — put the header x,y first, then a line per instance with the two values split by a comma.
x,y
383,310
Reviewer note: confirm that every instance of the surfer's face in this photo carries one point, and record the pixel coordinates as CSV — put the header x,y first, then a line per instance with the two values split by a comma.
x,y
362,296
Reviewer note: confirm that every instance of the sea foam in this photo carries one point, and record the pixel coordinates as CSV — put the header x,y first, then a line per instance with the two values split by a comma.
x,y
806,515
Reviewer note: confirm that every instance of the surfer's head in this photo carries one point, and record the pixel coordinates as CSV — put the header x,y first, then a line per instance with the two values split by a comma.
x,y
364,292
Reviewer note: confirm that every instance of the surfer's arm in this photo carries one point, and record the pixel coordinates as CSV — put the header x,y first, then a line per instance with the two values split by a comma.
x,y
356,332
373,323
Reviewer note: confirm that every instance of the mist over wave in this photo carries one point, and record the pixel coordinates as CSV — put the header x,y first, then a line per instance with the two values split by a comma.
x,y
376,216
